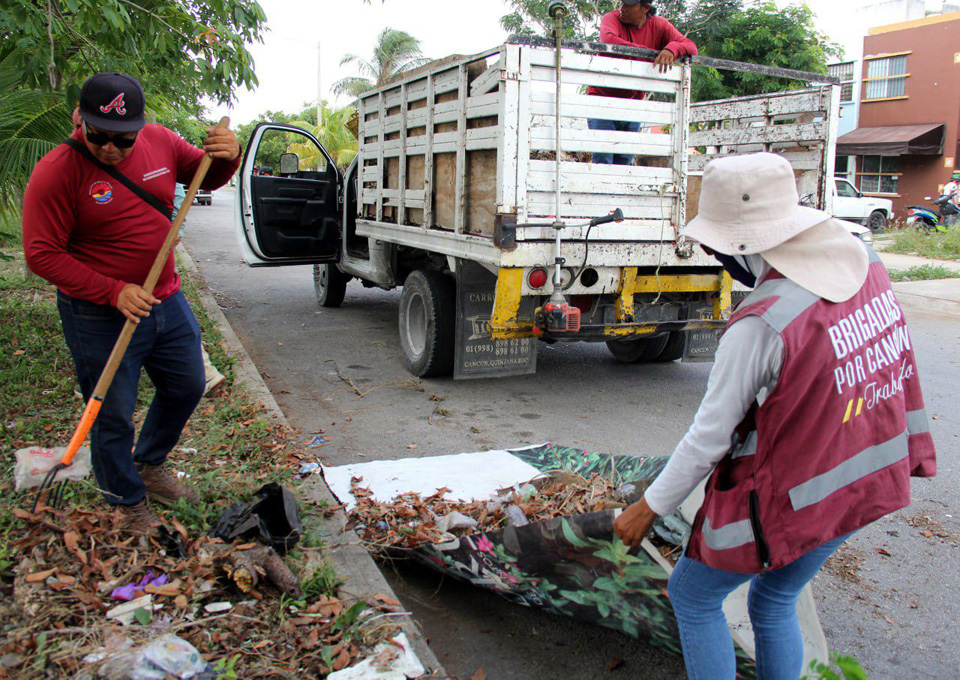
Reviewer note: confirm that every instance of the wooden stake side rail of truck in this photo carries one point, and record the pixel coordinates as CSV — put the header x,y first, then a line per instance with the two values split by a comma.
x,y
452,195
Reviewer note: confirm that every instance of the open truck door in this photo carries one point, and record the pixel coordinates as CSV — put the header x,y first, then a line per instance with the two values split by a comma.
x,y
288,205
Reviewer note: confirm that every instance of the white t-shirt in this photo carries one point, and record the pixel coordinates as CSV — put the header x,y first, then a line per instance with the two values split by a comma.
x,y
953,190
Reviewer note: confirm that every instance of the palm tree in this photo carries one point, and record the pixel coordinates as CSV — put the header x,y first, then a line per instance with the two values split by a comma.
x,y
395,52
333,133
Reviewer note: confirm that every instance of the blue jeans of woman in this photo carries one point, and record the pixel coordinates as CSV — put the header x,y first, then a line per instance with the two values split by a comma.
x,y
167,345
697,593
613,126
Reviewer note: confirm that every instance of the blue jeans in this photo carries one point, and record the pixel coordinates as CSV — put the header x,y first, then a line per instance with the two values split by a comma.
x,y
697,593
167,345
613,125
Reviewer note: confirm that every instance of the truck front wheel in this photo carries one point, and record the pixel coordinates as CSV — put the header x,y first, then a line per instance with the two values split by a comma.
x,y
330,284
638,351
428,308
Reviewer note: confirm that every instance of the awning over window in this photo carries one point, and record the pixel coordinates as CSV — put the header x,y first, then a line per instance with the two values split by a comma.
x,y
894,140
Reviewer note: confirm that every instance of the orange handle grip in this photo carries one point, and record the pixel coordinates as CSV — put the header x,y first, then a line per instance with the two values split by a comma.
x,y
83,429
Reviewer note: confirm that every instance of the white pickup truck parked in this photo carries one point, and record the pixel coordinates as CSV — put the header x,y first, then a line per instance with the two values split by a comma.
x,y
851,205
454,196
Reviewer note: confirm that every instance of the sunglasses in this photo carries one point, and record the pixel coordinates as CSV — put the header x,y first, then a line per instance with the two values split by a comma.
x,y
102,139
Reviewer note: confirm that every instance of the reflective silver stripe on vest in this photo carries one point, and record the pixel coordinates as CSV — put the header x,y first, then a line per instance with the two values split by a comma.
x,y
747,448
792,301
849,471
917,422
729,536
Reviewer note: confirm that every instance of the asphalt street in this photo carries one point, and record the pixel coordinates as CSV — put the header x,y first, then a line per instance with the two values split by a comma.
x,y
891,598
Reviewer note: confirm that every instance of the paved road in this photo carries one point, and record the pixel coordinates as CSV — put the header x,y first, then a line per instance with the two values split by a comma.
x,y
896,613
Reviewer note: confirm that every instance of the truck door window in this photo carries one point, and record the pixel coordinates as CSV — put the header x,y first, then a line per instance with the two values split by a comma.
x,y
276,143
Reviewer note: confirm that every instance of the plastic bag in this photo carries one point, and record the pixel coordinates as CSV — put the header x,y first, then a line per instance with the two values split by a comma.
x,y
272,517
165,656
35,462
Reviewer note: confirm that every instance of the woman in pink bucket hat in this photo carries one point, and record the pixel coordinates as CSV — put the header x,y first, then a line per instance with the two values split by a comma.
x,y
811,426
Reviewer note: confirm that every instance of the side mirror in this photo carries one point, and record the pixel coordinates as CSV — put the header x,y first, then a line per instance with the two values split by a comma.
x,y
289,164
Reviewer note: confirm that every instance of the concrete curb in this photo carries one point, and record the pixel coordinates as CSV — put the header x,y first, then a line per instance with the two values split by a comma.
x,y
350,560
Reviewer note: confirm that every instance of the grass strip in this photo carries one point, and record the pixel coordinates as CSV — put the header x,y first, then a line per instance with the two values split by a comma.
x,y
923,272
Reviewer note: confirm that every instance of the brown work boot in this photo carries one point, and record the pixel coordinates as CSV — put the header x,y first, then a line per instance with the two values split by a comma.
x,y
139,518
163,487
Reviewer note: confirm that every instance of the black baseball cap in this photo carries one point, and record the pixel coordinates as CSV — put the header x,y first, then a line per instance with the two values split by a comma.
x,y
112,102
636,2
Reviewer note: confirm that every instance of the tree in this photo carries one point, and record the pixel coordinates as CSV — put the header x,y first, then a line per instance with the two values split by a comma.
x,y
395,52
181,50
333,133
752,32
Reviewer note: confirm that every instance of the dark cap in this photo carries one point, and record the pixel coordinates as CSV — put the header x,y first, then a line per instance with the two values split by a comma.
x,y
112,102
630,3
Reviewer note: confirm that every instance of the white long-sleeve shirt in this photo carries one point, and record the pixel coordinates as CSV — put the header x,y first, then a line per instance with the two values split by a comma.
x,y
747,366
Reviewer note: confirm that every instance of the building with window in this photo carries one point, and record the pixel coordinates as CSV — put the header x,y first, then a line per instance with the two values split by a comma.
x,y
856,17
905,144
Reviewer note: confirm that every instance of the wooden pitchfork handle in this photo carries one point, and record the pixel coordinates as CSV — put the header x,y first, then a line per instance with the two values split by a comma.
x,y
119,349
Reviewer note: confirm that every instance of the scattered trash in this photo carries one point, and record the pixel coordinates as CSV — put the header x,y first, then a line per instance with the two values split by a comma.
x,y
164,657
171,542
217,607
516,516
272,516
318,440
391,660
126,613
309,468
455,520
35,462
132,591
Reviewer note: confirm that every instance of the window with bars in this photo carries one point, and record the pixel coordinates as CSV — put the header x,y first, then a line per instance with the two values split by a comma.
x,y
886,78
844,72
880,174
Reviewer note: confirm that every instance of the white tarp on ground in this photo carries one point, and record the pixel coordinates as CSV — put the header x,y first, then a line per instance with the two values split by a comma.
x,y
469,476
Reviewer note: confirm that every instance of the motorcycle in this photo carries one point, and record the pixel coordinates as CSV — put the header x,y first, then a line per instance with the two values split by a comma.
x,y
921,216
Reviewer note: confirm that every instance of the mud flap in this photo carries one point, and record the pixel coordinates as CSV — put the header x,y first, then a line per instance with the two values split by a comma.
x,y
477,356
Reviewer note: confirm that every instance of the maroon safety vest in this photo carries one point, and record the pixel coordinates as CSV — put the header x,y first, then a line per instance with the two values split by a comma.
x,y
835,441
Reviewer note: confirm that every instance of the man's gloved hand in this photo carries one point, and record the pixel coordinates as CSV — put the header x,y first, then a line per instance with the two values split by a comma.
x,y
135,302
665,60
634,523
221,143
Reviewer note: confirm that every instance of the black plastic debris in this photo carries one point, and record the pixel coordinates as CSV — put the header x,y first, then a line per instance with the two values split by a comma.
x,y
171,542
272,517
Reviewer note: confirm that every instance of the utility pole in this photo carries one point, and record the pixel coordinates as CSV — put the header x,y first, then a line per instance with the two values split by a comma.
x,y
319,90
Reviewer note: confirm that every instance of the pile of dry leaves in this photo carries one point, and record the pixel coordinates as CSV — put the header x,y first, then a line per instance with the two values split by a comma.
x,y
411,521
231,602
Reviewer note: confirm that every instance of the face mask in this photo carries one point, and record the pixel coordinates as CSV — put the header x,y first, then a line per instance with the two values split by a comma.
x,y
737,269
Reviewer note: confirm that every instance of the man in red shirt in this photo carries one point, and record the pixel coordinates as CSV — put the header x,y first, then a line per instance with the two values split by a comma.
x,y
95,240
636,24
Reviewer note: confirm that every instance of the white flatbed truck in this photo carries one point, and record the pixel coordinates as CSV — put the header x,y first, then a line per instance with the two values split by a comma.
x,y
453,197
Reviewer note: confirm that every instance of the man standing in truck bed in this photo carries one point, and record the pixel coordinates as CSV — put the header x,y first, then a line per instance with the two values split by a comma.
x,y
636,24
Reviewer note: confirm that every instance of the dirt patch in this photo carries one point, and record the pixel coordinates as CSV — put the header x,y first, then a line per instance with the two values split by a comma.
x,y
846,563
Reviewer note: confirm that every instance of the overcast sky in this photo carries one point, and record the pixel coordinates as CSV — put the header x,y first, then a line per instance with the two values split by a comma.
x,y
286,62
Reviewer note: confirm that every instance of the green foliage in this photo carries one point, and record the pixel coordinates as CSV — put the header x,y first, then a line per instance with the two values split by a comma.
x,y
323,581
394,52
924,272
940,245
183,49
839,668
751,32
226,667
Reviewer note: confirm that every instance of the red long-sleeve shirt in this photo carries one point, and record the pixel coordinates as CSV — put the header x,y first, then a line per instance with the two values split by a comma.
x,y
89,235
656,34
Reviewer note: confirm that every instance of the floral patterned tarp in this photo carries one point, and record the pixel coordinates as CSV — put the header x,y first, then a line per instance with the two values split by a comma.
x,y
575,565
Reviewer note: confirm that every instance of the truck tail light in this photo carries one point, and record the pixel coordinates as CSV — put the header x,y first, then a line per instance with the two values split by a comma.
x,y
537,278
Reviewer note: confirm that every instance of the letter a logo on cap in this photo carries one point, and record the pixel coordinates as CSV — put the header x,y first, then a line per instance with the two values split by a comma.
x,y
116,104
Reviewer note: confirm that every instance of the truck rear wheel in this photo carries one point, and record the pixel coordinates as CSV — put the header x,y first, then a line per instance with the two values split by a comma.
x,y
428,309
330,284
673,350
637,351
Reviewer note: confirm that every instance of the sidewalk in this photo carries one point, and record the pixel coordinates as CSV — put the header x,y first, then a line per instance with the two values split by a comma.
x,y
941,296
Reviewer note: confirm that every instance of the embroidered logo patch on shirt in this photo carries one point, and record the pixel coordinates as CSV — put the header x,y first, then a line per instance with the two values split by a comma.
x,y
101,191
153,174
